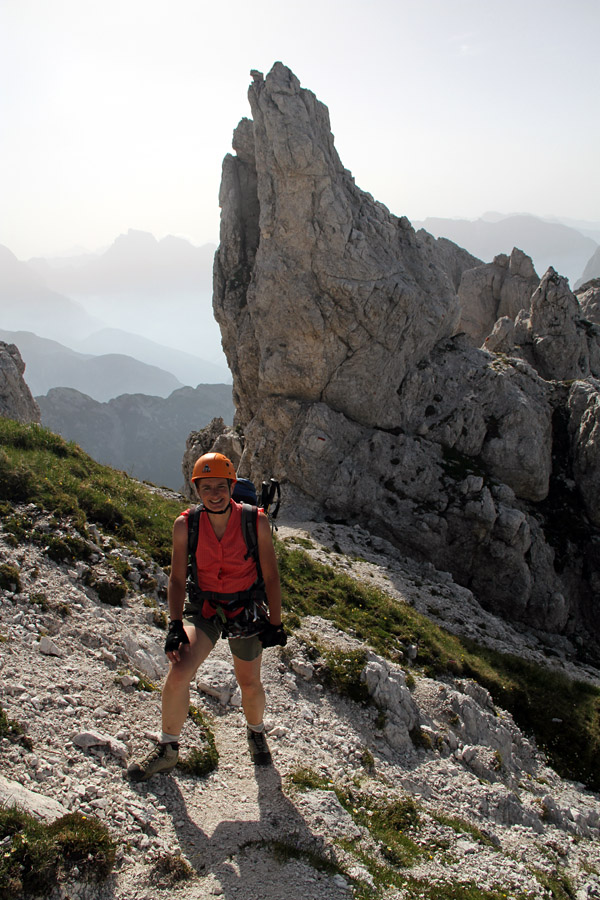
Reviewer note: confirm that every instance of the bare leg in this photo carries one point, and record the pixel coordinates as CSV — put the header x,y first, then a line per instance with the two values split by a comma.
x,y
176,692
253,694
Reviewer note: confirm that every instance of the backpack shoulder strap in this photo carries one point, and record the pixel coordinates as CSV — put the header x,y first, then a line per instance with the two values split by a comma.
x,y
193,529
250,534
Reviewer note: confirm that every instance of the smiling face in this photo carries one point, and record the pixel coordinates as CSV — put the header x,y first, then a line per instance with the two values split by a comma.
x,y
214,493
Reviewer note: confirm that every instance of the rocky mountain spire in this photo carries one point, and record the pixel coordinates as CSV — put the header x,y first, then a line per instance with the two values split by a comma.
x,y
355,388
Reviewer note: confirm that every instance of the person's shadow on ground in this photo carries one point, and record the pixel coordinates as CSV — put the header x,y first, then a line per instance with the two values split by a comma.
x,y
242,853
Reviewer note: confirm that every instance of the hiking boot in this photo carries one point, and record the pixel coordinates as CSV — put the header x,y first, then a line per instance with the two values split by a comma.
x,y
259,749
163,758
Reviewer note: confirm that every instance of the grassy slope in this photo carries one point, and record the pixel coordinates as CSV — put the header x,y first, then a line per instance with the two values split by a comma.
x,y
39,467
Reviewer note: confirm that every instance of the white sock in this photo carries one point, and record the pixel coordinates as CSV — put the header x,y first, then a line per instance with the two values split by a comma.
x,y
169,738
258,729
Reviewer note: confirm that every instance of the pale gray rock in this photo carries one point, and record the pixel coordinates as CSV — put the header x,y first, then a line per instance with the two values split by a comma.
x,y
48,647
88,739
216,437
388,689
16,401
319,290
493,290
588,296
455,260
554,336
302,668
217,679
14,794
325,809
354,387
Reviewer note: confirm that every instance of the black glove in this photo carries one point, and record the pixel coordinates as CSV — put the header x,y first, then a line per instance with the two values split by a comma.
x,y
175,636
273,636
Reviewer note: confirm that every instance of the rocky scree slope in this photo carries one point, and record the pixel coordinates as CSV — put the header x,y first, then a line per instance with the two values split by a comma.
x,y
477,803
357,386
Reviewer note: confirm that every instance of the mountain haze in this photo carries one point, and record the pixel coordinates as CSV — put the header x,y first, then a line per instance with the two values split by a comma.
x,y
159,289
139,434
50,364
186,367
25,300
547,243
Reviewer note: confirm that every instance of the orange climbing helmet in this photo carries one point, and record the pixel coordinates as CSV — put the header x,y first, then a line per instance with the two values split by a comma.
x,y
213,465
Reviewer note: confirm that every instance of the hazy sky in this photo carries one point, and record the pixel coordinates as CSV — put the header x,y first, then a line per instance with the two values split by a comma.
x,y
117,114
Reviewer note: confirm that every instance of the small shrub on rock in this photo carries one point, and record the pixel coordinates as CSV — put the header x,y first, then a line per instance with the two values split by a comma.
x,y
10,579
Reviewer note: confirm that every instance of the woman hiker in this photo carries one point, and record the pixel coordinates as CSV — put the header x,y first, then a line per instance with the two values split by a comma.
x,y
230,592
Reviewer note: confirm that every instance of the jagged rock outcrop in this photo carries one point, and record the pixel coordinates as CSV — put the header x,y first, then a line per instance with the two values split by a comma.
x,y
342,297
552,334
355,389
216,437
497,289
562,345
588,296
455,260
16,401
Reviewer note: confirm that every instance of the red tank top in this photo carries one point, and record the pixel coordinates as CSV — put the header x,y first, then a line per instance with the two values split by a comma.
x,y
221,564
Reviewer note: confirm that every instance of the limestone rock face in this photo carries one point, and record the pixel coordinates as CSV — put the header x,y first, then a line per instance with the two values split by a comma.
x,y
16,401
588,296
553,334
216,437
341,297
493,290
355,387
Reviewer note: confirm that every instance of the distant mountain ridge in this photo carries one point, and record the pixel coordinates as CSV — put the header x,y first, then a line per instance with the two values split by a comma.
x,y
25,299
188,369
50,364
159,289
135,261
141,435
147,299
547,243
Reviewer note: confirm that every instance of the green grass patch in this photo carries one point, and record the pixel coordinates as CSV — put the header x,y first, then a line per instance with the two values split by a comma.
x,y
341,670
37,466
558,885
392,823
13,731
533,694
201,761
10,578
36,855
170,869
417,889
461,826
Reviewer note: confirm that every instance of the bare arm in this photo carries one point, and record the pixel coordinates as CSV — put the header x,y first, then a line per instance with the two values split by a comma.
x,y
179,561
270,570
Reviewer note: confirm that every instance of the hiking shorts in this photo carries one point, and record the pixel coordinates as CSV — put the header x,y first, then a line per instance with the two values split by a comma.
x,y
246,649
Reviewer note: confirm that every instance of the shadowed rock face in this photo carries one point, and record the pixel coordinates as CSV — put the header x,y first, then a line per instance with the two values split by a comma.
x,y
354,387
16,401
